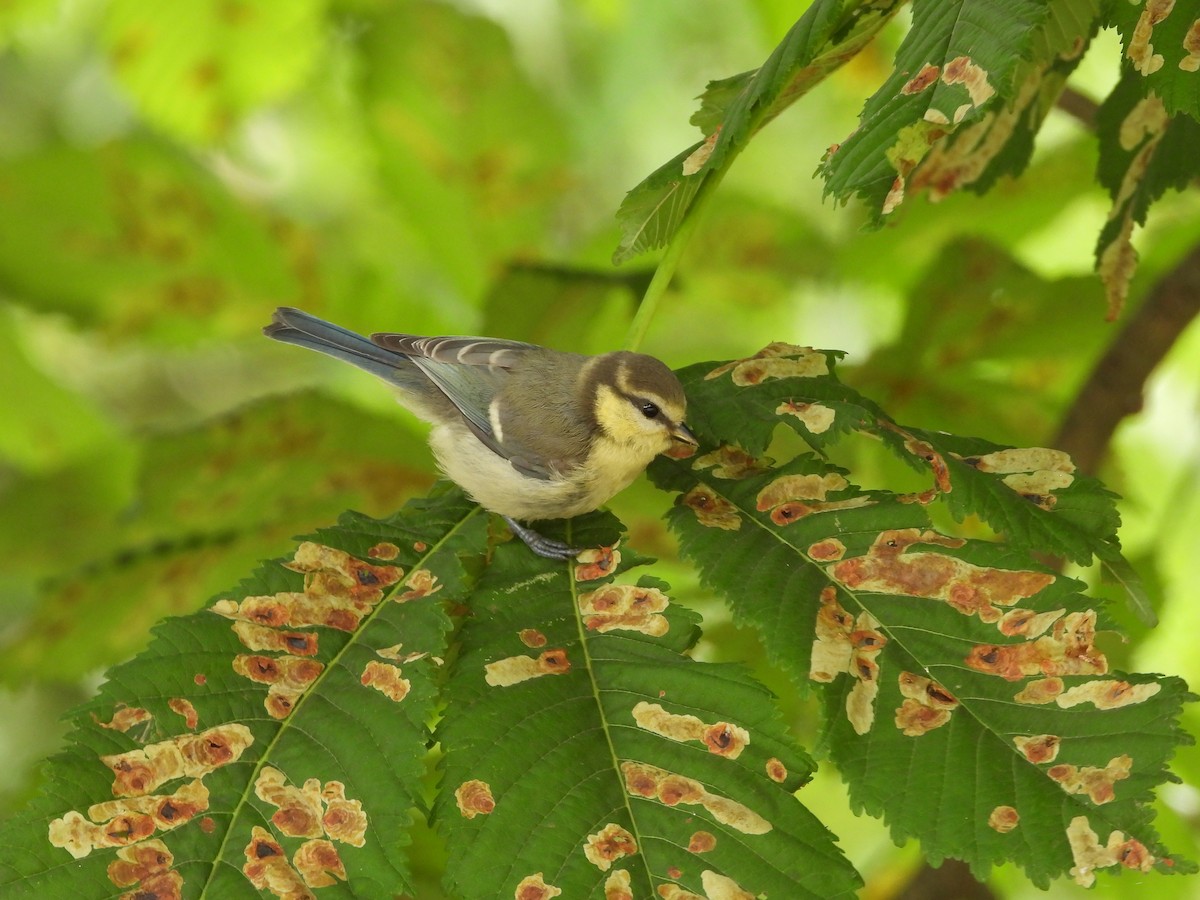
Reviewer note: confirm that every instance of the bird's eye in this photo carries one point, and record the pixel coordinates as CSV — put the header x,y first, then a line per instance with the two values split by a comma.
x,y
649,410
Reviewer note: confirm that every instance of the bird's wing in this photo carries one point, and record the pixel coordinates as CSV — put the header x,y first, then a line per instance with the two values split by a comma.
x,y
470,371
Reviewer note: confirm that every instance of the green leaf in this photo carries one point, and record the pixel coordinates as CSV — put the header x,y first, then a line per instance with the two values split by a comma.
x,y
732,110
584,750
1161,43
958,61
178,540
195,67
281,730
139,239
966,699
1143,151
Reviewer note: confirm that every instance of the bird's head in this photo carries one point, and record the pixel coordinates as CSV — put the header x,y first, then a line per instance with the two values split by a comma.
x,y
640,404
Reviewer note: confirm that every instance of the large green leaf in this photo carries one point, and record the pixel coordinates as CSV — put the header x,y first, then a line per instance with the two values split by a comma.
x,y
276,738
732,110
586,752
967,702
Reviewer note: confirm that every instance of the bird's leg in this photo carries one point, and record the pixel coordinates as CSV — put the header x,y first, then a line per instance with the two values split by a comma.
x,y
542,546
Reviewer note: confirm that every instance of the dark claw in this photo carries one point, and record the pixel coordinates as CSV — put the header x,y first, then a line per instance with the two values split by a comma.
x,y
542,546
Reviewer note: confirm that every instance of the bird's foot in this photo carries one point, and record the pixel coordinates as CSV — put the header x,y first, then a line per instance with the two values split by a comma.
x,y
541,545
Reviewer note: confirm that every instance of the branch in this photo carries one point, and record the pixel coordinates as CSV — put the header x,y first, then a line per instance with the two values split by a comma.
x,y
1114,389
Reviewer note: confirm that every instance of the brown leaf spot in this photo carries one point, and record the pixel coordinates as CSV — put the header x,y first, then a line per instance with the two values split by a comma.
x,y
344,819
386,679
299,808
776,360
722,887
799,487
188,756
890,568
1191,43
730,463
1098,783
618,886
420,583
1004,819
711,511
1027,623
124,718
827,550
845,645
515,669
319,864
200,678
474,798
675,892
926,705
670,789
962,70
147,865
776,770
701,842
184,708
1067,650
927,75
117,823
207,825
814,416
1141,50
721,739
1089,854
261,637
531,637
625,607
1038,748
267,867
420,546
597,562
384,550
674,872
679,450
534,887
698,157
1043,690
1108,694
608,845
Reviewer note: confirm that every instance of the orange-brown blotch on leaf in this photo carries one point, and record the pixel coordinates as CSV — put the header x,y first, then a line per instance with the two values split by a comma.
x,y
730,463
267,867
474,798
188,756
516,669
776,770
421,583
618,886
1067,650
671,789
124,717
701,842
532,638
1089,854
534,887
1038,748
720,738
318,863
387,679
344,819
182,707
384,550
1004,819
608,845
1098,783
711,511
625,607
1107,694
597,562
926,705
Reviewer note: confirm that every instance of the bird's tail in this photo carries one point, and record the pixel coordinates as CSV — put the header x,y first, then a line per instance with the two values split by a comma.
x,y
294,326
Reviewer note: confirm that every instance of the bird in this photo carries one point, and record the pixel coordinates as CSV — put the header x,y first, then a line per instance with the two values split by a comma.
x,y
529,433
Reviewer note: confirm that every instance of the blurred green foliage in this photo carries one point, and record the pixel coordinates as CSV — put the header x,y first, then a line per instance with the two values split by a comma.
x,y
171,172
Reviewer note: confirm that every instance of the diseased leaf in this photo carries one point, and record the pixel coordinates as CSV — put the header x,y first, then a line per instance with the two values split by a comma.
x,y
966,699
1161,42
585,751
275,739
196,67
1143,151
732,110
181,539
958,61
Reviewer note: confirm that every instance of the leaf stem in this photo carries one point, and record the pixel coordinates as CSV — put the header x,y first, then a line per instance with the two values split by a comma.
x,y
665,270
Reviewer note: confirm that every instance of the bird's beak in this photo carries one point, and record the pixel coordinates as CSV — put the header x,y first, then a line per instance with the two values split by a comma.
x,y
684,435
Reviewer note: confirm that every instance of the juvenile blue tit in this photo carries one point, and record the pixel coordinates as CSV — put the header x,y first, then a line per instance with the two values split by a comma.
x,y
529,433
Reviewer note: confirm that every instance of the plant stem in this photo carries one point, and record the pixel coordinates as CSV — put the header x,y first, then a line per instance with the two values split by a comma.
x,y
665,270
